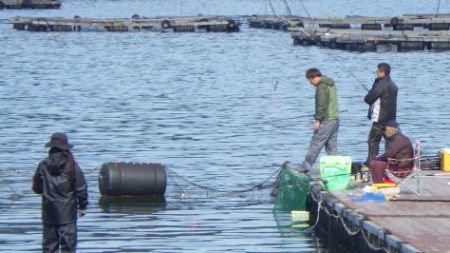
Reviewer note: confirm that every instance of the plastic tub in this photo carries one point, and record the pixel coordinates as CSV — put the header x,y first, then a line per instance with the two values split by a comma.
x,y
335,171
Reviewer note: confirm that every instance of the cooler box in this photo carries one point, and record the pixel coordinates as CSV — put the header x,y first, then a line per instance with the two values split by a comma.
x,y
335,171
445,159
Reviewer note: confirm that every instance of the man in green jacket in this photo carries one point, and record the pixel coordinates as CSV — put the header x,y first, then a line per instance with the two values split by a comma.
x,y
326,118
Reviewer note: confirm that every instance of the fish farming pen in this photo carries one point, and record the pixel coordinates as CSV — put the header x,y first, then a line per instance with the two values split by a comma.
x,y
408,22
408,223
30,4
375,41
274,22
133,24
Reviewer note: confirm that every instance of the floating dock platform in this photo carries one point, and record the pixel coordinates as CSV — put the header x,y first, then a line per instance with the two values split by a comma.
x,y
365,40
274,22
133,24
407,22
30,4
409,223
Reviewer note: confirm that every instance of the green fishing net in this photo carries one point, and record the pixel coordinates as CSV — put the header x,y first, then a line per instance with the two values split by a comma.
x,y
291,190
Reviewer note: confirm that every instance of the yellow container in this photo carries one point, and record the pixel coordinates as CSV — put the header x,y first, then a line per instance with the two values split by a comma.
x,y
445,159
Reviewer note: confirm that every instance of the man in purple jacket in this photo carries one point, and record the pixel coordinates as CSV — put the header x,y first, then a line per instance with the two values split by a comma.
x,y
398,147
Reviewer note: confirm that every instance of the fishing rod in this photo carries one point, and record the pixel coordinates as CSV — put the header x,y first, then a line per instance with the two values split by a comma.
x,y
297,117
292,168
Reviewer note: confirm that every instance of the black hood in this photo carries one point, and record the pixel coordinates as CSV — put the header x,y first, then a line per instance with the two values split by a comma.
x,y
57,162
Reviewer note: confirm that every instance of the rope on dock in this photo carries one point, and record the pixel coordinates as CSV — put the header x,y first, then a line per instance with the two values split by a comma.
x,y
369,243
347,229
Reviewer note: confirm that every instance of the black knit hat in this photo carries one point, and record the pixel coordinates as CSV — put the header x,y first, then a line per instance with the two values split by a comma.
x,y
391,123
59,140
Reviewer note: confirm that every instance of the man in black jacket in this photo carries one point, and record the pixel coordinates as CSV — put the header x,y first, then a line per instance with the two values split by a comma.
x,y
382,99
64,195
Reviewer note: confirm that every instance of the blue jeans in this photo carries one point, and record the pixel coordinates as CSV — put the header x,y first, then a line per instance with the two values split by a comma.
x,y
326,136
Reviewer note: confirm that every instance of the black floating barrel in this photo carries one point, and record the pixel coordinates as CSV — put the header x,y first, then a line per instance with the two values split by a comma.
x,y
132,179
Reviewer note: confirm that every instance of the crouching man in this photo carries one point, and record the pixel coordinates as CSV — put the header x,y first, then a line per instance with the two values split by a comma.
x,y
399,148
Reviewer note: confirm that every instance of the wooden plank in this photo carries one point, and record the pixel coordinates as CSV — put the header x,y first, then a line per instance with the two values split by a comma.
x,y
428,234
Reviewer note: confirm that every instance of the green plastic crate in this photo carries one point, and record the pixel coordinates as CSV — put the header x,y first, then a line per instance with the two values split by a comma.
x,y
335,171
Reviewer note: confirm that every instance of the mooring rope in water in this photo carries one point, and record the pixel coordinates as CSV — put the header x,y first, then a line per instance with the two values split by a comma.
x,y
252,188
319,206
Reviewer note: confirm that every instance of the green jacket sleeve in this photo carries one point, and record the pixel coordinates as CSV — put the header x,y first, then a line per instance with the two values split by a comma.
x,y
321,101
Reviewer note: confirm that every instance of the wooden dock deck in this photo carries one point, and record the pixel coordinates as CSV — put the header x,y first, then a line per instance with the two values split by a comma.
x,y
406,224
133,24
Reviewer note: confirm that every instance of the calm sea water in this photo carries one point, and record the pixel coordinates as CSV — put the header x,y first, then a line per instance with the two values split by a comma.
x,y
205,105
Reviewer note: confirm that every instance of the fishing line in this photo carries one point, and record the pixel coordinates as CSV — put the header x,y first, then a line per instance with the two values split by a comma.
x,y
11,189
335,57
271,7
304,8
274,93
438,7
287,8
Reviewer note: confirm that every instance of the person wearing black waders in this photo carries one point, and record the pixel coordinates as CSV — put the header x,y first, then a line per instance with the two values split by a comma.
x,y
326,118
64,195
382,98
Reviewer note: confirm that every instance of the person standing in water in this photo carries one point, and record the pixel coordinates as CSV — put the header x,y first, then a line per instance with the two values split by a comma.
x,y
60,181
